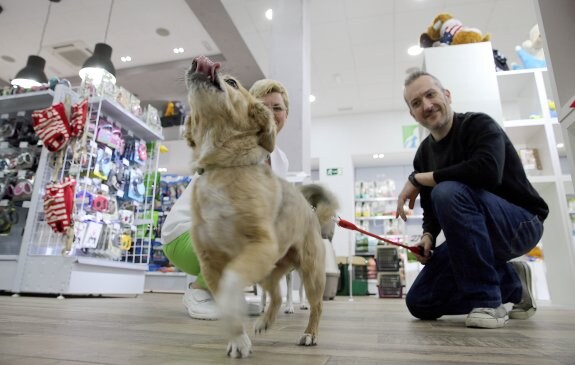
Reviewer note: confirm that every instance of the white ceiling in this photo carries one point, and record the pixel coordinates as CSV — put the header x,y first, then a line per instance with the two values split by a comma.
x,y
358,47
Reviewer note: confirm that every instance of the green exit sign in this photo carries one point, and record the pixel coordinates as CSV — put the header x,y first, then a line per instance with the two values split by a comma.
x,y
334,171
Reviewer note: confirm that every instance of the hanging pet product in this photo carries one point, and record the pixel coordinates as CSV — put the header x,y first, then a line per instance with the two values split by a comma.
x,y
59,203
52,126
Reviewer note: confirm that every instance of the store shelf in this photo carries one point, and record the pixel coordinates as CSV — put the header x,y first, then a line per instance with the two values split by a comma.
x,y
114,110
26,101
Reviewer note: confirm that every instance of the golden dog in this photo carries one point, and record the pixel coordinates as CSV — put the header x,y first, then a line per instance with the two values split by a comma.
x,y
248,225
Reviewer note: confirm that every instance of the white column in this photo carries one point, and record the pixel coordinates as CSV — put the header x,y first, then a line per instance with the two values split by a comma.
x,y
289,63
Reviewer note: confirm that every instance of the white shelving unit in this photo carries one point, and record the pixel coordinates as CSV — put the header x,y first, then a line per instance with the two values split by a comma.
x,y
42,266
519,101
556,23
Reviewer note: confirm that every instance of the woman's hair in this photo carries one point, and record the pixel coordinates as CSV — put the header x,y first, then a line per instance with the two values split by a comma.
x,y
264,87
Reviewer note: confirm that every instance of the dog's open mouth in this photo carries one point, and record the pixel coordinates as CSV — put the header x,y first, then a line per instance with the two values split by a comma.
x,y
205,70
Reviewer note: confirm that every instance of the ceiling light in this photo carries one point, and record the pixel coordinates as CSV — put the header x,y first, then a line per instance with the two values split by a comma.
x,y
374,155
380,155
33,73
311,98
126,59
162,169
100,63
414,50
560,145
270,14
162,32
178,50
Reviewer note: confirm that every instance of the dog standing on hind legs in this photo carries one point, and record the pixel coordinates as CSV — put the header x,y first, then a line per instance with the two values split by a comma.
x,y
248,225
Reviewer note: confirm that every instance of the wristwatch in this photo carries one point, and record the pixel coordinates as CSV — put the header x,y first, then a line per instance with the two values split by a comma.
x,y
413,181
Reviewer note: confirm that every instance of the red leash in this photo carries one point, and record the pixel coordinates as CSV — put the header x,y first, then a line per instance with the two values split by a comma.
x,y
418,250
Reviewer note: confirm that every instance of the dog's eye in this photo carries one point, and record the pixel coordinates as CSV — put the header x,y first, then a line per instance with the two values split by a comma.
x,y
232,83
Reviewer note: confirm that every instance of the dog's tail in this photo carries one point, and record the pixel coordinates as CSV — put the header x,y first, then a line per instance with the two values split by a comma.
x,y
325,205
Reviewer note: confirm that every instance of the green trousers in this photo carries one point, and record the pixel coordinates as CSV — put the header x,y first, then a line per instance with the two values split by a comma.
x,y
181,253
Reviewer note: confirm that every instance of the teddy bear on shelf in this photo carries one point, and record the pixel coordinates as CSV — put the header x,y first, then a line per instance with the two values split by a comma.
x,y
446,30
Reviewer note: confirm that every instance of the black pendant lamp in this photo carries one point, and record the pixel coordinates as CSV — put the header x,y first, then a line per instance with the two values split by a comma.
x,y
100,63
33,73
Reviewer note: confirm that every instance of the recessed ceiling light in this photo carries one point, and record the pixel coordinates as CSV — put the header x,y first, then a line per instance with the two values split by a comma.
x,y
178,50
270,14
560,145
162,32
414,50
311,98
381,155
126,59
375,155
8,58
162,169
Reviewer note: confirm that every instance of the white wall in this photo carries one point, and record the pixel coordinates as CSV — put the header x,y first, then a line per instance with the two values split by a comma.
x,y
336,141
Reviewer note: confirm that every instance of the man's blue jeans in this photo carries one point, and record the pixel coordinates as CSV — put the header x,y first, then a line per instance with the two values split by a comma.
x,y
470,269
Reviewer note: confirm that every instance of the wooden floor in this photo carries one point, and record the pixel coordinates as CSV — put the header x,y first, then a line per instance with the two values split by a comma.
x,y
154,329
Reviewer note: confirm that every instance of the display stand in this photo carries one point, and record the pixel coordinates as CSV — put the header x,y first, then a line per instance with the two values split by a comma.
x,y
62,263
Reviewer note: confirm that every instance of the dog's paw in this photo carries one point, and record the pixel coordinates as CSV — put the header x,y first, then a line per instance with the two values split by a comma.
x,y
304,307
261,325
240,346
307,339
289,309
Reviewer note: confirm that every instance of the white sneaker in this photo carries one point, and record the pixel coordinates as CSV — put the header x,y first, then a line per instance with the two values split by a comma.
x,y
254,309
200,304
487,317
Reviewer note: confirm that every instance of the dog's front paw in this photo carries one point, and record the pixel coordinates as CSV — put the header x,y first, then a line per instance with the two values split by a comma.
x,y
307,339
240,346
289,309
261,325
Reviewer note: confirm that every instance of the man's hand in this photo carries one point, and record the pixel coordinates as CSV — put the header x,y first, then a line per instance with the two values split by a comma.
x,y
427,244
409,193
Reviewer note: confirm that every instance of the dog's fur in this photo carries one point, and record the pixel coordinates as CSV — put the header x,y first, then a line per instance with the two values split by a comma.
x,y
248,225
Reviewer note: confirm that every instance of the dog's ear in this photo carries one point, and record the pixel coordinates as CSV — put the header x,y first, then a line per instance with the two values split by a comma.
x,y
188,131
260,114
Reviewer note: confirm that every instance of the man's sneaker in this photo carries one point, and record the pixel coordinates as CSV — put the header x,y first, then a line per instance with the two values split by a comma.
x,y
526,307
487,317
200,304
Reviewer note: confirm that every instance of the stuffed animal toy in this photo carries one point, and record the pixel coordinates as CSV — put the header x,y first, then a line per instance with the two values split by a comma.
x,y
527,59
534,45
446,30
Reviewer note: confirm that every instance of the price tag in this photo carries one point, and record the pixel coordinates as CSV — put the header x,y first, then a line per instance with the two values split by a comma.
x,y
4,203
126,162
22,174
23,144
21,113
120,193
5,116
26,204
4,145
